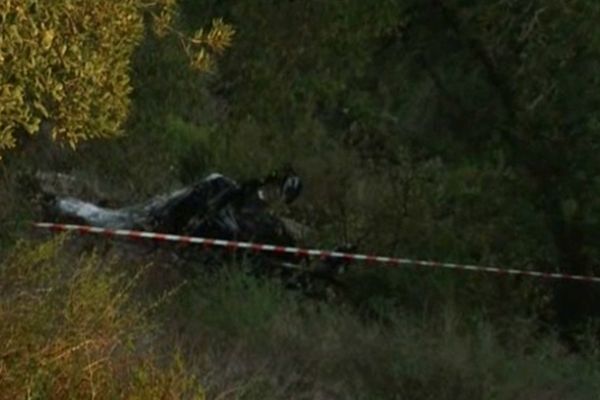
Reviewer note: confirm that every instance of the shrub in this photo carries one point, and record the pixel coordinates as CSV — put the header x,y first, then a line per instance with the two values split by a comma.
x,y
72,329
65,66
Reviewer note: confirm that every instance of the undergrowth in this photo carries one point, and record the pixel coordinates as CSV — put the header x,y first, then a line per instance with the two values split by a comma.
x,y
246,333
71,329
91,326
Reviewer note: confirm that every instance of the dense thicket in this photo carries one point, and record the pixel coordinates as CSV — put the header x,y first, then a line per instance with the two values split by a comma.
x,y
476,124
442,130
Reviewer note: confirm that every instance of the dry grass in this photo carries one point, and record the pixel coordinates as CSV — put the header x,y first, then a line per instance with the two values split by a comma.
x,y
249,339
94,327
71,329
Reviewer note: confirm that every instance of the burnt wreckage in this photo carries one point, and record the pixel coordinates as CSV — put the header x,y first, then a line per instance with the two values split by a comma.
x,y
214,207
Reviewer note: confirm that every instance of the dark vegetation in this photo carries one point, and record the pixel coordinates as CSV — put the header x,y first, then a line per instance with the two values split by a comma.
x,y
455,131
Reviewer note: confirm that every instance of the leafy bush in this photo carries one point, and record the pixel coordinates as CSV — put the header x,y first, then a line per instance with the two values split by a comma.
x,y
65,66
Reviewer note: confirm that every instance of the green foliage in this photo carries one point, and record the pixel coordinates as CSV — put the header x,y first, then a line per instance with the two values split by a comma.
x,y
78,327
442,130
455,131
67,64
294,56
255,303
65,67
266,343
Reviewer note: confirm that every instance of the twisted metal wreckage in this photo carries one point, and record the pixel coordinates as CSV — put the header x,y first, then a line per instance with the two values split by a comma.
x,y
215,207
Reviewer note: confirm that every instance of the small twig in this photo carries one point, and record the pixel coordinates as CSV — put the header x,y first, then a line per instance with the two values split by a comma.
x,y
69,351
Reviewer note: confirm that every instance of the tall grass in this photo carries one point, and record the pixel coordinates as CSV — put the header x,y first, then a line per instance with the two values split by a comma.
x,y
92,326
245,333
70,328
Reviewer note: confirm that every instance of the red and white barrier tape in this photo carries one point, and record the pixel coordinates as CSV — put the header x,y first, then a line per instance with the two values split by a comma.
x,y
300,252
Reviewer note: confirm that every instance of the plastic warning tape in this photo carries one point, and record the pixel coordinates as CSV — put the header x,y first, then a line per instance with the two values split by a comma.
x,y
301,252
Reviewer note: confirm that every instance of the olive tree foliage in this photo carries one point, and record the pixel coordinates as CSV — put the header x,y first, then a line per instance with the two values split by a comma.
x,y
65,65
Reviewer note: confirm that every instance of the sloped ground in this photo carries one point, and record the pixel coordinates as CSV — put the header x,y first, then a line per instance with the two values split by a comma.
x,y
77,324
87,324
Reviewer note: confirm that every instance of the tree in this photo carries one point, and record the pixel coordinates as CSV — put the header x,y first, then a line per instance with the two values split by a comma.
x,y
64,65
503,93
